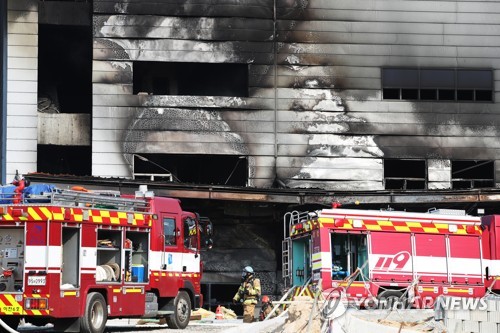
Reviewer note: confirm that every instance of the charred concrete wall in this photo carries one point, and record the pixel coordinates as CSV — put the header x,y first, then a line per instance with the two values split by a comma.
x,y
314,115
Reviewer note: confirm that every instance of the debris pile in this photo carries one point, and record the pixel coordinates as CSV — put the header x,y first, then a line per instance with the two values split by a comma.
x,y
202,314
300,318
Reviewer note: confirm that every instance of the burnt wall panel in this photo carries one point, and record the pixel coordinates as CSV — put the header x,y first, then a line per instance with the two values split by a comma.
x,y
314,85
189,28
196,8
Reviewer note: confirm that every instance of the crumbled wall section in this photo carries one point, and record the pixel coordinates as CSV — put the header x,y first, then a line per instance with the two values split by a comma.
x,y
22,120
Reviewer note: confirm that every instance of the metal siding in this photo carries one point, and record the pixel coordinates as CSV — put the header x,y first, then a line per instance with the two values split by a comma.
x,y
328,101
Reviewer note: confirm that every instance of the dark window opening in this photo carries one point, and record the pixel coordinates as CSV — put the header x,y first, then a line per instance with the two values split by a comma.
x,y
409,93
197,169
428,94
191,79
450,84
391,93
465,95
446,95
404,174
484,95
70,160
472,174
64,69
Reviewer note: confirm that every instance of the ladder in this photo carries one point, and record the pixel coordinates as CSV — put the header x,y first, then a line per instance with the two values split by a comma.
x,y
109,200
286,262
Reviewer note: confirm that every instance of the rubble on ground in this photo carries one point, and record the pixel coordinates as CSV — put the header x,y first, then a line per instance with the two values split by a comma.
x,y
204,314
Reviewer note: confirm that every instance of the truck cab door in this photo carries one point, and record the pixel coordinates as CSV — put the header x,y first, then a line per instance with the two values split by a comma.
x,y
191,245
171,254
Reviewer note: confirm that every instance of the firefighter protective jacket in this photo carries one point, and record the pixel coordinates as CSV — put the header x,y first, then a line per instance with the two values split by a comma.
x,y
249,291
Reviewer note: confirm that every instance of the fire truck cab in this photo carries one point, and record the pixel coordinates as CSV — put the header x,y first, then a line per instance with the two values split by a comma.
x,y
381,254
75,258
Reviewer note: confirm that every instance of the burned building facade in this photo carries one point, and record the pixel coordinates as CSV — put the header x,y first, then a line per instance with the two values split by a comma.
x,y
273,94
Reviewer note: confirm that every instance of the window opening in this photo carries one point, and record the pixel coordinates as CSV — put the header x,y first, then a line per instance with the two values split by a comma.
x,y
64,69
55,159
190,234
192,79
437,84
169,231
349,251
404,174
472,174
228,170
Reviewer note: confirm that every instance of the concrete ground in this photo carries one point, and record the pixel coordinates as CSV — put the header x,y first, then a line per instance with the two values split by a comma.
x,y
131,326
354,321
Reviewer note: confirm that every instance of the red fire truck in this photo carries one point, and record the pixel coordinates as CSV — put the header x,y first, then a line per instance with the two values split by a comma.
x,y
75,258
437,253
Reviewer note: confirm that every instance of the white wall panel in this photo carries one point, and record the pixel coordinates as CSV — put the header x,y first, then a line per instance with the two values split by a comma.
x,y
22,30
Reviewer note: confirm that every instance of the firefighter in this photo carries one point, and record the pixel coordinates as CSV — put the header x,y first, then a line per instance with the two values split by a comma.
x,y
248,293
267,307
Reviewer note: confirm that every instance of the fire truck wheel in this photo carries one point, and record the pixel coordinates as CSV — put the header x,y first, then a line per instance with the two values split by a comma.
x,y
389,299
182,311
94,319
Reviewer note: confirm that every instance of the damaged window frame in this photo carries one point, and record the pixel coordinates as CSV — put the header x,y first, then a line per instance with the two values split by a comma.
x,y
468,174
190,79
213,169
393,176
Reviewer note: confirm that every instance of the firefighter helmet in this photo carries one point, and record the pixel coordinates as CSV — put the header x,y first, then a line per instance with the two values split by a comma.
x,y
265,299
248,270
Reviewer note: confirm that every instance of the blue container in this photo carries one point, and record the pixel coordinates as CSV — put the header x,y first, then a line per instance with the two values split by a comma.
x,y
138,273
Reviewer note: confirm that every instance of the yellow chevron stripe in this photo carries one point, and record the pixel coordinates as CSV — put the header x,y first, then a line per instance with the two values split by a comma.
x,y
46,212
34,214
